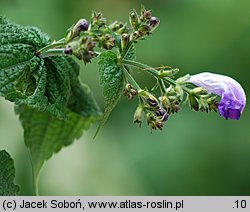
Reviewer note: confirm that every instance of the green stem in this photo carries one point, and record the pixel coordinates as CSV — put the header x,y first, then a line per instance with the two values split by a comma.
x,y
52,52
162,85
153,72
61,42
130,78
35,184
125,51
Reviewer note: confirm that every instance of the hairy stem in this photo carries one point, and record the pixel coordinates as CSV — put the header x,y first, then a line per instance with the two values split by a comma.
x,y
154,72
130,78
52,52
125,51
61,42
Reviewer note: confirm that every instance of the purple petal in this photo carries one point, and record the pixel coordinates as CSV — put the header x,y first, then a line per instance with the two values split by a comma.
x,y
233,98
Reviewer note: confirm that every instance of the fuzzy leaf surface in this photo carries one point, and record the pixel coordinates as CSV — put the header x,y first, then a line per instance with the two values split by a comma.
x,y
7,175
112,81
25,78
53,106
45,134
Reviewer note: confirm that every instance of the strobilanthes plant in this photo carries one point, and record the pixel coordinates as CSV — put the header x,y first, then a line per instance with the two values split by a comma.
x,y
42,78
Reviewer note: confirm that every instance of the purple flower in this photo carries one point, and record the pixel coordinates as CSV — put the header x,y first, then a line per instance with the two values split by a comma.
x,y
233,98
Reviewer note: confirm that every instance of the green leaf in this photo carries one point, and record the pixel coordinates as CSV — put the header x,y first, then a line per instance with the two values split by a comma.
x,y
112,81
7,175
131,54
45,134
42,84
53,106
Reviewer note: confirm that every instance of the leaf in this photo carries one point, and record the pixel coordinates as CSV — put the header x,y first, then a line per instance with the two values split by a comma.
x,y
25,78
131,54
112,81
7,175
45,134
53,106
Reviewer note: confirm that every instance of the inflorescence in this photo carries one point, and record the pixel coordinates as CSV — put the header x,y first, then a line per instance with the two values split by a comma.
x,y
86,39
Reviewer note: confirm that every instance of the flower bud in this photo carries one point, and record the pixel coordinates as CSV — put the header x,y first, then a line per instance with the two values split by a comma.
x,y
165,102
72,47
179,91
80,26
176,108
115,26
107,42
194,104
129,91
144,30
125,40
152,102
145,14
183,80
134,19
168,73
136,35
150,99
68,50
151,121
154,23
98,19
199,91
162,114
138,116
159,124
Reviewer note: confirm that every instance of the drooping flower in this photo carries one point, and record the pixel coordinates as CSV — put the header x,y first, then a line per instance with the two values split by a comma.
x,y
233,98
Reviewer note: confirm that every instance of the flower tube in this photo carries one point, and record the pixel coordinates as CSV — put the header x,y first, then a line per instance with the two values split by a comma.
x,y
233,98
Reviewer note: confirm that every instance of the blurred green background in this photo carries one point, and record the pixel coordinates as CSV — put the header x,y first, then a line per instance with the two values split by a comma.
x,y
195,154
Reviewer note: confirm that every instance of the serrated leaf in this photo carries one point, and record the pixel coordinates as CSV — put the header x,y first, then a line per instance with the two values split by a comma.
x,y
44,134
7,175
112,81
131,54
27,79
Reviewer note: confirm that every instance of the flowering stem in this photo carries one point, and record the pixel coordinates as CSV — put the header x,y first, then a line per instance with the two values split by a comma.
x,y
153,72
130,78
162,85
52,52
61,42
125,51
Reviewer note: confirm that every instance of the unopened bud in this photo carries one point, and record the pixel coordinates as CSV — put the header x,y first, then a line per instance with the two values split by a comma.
x,y
154,23
168,73
183,80
152,102
72,47
194,104
68,50
144,30
162,114
165,102
145,14
129,91
150,99
151,120
134,19
124,40
136,35
98,19
159,124
179,91
138,116
175,108
80,26
199,91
